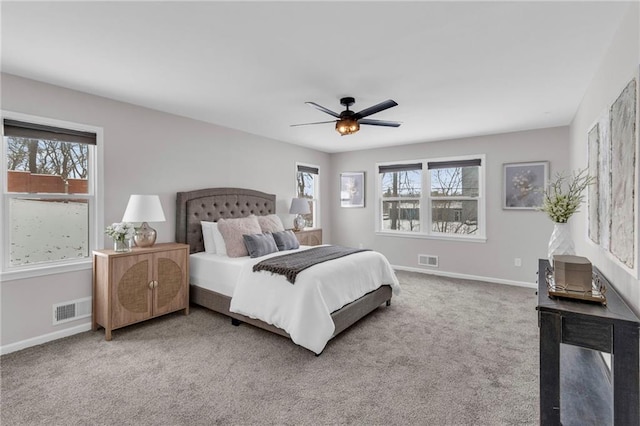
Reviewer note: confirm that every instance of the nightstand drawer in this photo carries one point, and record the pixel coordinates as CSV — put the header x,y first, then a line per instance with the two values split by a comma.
x,y
309,237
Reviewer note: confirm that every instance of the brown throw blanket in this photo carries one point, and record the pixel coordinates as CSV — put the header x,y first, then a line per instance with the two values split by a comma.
x,y
290,265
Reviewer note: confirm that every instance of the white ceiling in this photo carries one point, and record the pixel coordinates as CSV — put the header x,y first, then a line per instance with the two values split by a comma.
x,y
456,69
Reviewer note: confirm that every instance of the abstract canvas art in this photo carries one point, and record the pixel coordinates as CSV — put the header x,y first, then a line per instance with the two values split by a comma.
x,y
594,192
623,129
612,144
599,193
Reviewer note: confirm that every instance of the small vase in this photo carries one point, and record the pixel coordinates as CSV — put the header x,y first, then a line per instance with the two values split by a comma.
x,y
560,241
121,245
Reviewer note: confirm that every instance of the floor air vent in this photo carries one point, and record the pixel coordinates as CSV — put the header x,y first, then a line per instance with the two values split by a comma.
x,y
70,311
428,260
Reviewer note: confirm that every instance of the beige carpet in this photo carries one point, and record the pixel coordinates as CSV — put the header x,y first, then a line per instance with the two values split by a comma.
x,y
446,352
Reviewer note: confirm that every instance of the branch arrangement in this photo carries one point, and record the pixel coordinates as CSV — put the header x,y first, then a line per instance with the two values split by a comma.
x,y
563,196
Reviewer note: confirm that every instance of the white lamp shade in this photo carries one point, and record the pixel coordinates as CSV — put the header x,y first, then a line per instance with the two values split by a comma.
x,y
143,208
299,206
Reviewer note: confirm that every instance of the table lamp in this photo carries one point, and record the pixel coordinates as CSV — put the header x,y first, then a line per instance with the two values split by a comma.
x,y
144,208
299,206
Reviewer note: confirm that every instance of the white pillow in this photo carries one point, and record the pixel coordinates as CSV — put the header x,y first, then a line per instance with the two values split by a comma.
x,y
213,241
218,240
207,236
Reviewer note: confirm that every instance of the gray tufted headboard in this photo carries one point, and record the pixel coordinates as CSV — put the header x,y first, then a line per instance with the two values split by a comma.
x,y
212,204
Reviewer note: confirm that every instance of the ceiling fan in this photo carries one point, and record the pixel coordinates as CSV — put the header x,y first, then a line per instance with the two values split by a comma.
x,y
348,121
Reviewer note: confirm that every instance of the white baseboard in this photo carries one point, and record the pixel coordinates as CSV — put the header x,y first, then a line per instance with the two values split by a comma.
x,y
34,341
465,276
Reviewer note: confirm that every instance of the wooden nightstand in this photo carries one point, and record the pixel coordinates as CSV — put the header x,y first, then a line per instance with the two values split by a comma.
x,y
137,285
309,237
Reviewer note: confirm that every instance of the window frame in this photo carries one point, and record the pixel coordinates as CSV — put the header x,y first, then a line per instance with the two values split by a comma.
x,y
94,197
315,202
426,201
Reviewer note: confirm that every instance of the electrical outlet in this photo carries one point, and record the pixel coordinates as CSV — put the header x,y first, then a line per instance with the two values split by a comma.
x,y
517,262
360,245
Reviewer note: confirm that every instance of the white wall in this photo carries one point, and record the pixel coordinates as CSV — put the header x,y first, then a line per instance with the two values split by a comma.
x,y
179,154
619,66
510,233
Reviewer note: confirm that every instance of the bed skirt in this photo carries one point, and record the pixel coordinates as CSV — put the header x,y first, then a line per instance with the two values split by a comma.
x,y
343,318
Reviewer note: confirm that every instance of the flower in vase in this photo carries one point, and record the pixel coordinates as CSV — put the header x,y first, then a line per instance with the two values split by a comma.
x,y
120,231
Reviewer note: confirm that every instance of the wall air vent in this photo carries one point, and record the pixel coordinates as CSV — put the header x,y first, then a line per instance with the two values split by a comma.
x,y
428,260
71,311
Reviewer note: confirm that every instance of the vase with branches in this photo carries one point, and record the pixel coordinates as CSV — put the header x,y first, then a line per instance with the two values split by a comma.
x,y
562,198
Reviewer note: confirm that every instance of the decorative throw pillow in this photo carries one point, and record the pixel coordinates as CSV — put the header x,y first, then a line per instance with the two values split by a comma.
x,y
270,223
286,240
232,231
207,236
260,244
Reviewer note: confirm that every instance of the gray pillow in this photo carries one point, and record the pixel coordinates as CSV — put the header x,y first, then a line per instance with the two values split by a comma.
x,y
286,240
259,244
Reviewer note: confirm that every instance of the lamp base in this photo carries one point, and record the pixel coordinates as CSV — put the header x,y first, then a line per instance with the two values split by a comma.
x,y
145,236
299,223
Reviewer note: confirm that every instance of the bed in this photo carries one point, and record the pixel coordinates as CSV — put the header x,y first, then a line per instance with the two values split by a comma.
x,y
212,204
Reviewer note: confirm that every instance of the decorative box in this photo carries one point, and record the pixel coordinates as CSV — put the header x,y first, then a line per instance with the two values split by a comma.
x,y
572,273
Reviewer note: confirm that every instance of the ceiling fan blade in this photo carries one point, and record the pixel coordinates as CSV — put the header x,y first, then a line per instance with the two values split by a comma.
x,y
376,108
379,122
317,122
323,109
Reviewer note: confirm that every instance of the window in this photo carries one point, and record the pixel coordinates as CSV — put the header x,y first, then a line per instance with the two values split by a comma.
x,y
401,186
308,186
49,194
452,207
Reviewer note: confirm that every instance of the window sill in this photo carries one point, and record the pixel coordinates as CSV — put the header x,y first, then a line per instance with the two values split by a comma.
x,y
464,239
43,270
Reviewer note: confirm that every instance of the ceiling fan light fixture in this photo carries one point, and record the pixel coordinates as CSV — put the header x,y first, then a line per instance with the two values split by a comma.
x,y
348,122
347,126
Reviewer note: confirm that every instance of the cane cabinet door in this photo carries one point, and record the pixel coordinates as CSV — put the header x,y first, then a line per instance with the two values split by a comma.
x,y
132,289
170,290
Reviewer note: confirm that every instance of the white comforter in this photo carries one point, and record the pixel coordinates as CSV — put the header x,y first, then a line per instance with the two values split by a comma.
x,y
304,309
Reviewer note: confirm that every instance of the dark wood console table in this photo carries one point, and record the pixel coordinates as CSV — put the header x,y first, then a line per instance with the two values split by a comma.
x,y
612,328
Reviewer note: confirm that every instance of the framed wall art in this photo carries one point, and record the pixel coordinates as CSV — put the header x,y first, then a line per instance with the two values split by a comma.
x,y
622,125
352,189
524,184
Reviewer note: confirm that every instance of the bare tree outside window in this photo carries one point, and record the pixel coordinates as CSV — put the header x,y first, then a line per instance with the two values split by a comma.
x,y
67,160
306,183
454,209
401,191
